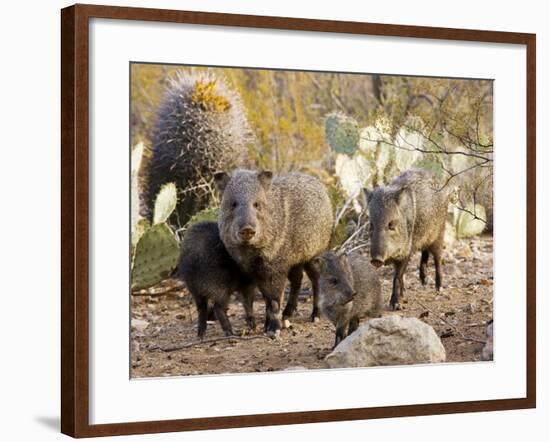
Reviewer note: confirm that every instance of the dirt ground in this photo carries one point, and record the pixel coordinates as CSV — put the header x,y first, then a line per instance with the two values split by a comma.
x,y
164,319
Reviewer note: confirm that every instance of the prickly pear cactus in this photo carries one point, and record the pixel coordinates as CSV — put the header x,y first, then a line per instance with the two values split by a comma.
x,y
201,129
342,133
141,227
375,144
406,143
155,257
354,172
209,214
165,203
155,248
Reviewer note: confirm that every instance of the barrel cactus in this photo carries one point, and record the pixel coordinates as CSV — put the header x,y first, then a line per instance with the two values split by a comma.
x,y
201,128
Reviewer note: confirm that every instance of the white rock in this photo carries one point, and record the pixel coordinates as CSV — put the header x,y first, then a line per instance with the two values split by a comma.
x,y
139,324
391,340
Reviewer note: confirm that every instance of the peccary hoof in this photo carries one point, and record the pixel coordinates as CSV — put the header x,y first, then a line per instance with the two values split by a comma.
x,y
286,323
274,334
315,318
251,323
395,306
289,311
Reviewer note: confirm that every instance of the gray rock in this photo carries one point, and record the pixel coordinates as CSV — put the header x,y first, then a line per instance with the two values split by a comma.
x,y
391,340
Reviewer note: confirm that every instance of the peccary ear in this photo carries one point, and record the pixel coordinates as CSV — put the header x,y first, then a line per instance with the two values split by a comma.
x,y
318,263
344,262
401,195
221,179
265,177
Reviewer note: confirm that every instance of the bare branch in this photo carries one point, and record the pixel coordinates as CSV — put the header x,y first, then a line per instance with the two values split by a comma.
x,y
441,151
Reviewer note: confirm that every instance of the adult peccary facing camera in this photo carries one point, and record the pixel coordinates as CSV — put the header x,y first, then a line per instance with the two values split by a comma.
x,y
408,216
212,276
349,289
273,227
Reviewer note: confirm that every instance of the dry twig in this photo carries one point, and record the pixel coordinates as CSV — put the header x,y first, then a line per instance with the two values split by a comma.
x,y
462,335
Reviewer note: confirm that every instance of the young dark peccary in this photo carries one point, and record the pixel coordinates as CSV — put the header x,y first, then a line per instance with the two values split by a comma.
x,y
212,276
273,228
408,216
349,288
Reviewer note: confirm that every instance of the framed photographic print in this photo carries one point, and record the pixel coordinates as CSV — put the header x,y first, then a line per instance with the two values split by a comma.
x,y
270,220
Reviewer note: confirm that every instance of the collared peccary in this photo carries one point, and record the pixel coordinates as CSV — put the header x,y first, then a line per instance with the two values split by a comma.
x,y
405,217
211,276
349,288
273,227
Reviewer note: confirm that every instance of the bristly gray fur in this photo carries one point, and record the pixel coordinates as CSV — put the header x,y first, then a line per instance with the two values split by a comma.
x,y
408,216
349,289
211,276
291,218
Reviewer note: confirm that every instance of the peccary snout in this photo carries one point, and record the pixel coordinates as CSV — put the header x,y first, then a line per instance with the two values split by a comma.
x,y
247,233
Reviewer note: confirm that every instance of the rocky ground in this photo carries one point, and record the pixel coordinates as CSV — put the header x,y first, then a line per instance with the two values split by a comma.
x,y
163,332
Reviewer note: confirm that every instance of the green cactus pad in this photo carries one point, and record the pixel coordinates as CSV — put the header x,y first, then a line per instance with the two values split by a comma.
x,y
432,163
209,214
155,257
165,203
342,133
141,227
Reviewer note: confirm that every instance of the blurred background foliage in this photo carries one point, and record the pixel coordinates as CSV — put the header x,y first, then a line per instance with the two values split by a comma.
x,y
287,109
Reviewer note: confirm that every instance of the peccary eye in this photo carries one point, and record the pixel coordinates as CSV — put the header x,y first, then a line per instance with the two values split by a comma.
x,y
234,204
256,204
391,225
334,281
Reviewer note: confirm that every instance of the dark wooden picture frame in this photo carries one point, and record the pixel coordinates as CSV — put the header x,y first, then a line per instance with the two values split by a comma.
x,y
75,219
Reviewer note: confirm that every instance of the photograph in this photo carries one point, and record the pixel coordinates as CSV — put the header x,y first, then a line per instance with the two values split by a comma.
x,y
288,220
